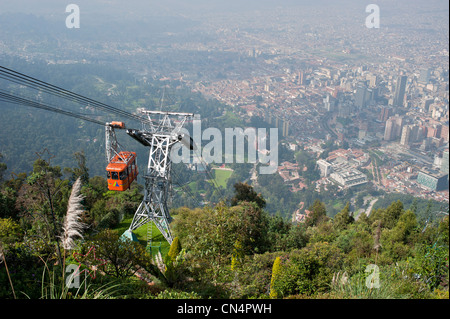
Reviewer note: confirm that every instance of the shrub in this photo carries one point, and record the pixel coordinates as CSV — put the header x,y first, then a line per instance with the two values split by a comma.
x,y
275,285
10,231
306,271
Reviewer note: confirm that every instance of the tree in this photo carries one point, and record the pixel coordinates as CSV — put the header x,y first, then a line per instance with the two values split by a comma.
x,y
251,231
388,216
362,243
318,214
297,237
81,171
443,229
395,240
431,264
173,271
7,203
208,235
175,248
343,218
94,190
392,214
123,257
49,195
245,192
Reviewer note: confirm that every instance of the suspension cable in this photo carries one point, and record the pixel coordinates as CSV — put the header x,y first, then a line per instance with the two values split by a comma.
x,y
22,79
18,100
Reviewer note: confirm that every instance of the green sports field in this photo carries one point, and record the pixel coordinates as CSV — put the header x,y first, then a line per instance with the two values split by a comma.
x,y
221,176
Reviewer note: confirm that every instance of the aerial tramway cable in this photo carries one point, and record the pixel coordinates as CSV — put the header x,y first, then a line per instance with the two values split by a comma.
x,y
18,100
22,79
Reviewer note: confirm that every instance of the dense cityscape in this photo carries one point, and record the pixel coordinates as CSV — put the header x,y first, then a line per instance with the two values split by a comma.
x,y
395,110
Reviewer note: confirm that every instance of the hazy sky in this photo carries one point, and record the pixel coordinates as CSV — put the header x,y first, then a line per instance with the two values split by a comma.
x,y
195,7
132,10
137,16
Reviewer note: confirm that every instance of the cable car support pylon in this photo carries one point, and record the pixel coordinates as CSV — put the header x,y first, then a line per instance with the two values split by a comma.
x,y
160,136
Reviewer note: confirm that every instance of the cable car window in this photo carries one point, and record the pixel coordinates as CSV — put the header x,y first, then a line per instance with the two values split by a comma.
x,y
123,175
108,174
114,175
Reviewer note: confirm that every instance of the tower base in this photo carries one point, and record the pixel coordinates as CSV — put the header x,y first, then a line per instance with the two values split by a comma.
x,y
128,234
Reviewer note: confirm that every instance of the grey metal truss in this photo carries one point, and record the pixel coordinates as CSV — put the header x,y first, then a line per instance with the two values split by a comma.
x,y
112,146
160,137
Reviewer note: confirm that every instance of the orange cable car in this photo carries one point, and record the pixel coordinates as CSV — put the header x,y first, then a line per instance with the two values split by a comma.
x,y
122,171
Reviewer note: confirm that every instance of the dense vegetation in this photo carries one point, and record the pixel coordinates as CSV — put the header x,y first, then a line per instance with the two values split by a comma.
x,y
234,250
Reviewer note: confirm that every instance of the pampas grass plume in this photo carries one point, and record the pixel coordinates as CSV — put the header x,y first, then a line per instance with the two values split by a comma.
x,y
72,225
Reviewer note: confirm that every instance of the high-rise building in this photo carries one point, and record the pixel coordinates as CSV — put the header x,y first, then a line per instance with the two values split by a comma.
x,y
268,117
360,96
430,131
426,143
416,134
406,134
399,93
438,131
393,129
433,180
398,126
388,130
324,167
372,94
373,80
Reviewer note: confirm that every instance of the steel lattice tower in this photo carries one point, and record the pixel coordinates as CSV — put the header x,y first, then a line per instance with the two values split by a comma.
x,y
160,136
